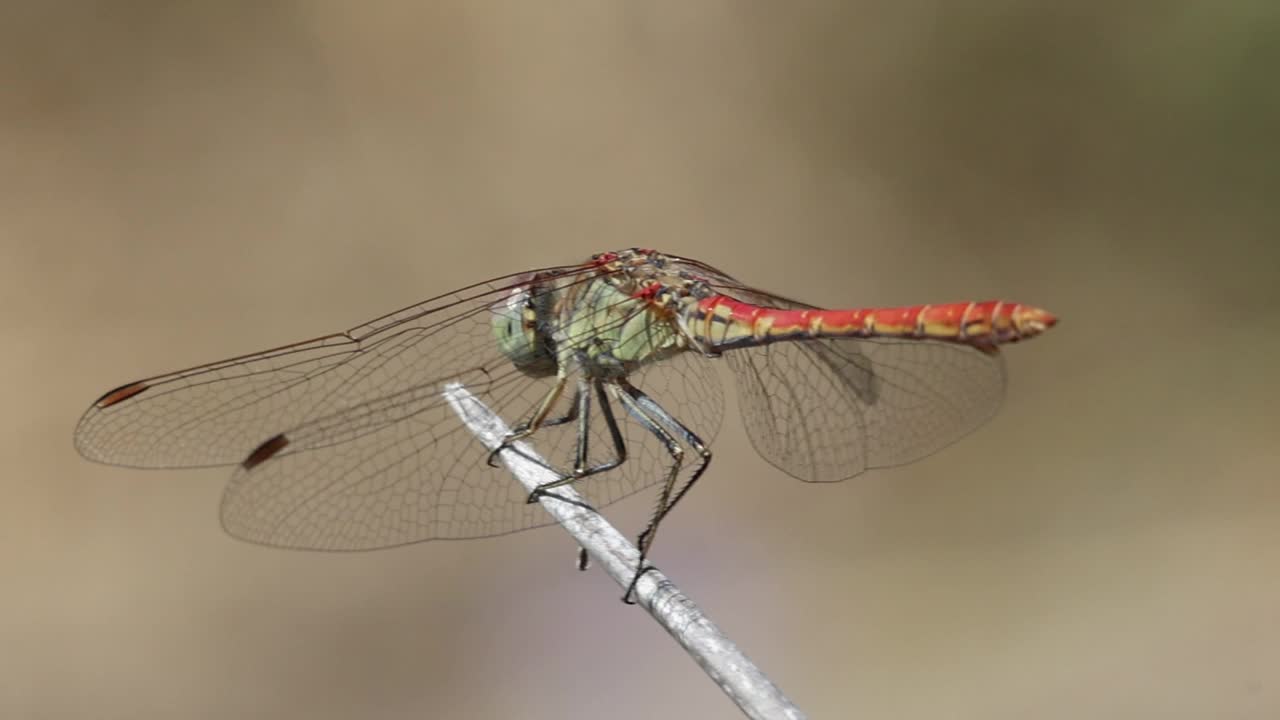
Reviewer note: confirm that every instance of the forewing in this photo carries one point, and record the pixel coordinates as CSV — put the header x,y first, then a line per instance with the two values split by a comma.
x,y
346,443
216,414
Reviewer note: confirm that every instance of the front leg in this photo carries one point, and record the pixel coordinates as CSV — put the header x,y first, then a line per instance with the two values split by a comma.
x,y
535,421
581,467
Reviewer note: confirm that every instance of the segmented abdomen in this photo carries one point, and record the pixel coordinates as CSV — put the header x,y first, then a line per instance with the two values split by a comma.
x,y
723,323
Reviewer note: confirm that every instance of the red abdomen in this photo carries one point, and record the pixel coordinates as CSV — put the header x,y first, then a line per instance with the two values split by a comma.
x,y
722,323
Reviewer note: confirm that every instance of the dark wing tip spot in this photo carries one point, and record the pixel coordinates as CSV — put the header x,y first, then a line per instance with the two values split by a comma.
x,y
120,394
265,451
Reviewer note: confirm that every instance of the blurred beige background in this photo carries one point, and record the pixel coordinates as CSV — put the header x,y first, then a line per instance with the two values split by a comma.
x,y
186,181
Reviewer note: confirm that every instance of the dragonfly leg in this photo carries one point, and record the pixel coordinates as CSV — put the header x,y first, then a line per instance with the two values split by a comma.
x,y
582,412
569,416
677,457
660,414
581,469
665,427
535,421
521,430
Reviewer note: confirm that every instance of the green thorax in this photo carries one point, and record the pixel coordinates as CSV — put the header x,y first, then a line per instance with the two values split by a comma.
x,y
632,310
613,327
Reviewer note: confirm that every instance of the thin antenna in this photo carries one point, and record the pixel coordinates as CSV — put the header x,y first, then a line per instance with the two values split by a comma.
x,y
733,671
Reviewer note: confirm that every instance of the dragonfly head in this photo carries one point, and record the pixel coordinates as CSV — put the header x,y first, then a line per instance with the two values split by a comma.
x,y
519,326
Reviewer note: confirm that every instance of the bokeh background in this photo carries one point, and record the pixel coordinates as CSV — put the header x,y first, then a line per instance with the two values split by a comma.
x,y
180,182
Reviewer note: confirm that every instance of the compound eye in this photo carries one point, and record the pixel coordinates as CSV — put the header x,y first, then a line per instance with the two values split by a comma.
x,y
516,334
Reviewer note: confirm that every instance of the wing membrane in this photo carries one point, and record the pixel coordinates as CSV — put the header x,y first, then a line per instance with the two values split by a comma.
x,y
215,414
346,443
403,469
828,410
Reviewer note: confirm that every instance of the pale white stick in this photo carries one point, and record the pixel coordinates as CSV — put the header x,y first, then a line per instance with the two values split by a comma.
x,y
736,675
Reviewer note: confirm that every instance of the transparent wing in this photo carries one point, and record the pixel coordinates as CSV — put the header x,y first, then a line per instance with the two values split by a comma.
x,y
402,469
215,414
345,442
827,410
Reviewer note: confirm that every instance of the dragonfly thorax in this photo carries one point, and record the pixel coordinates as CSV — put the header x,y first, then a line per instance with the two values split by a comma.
x,y
611,326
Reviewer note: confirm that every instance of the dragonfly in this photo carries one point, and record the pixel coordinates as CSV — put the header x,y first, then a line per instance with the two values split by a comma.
x,y
346,442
